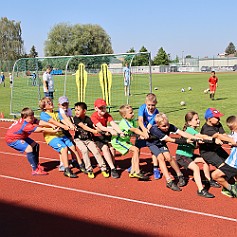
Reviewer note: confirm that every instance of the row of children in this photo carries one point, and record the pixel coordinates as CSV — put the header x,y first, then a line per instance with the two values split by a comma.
x,y
154,129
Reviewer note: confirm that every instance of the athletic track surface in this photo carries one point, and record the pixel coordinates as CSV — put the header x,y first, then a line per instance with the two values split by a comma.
x,y
55,205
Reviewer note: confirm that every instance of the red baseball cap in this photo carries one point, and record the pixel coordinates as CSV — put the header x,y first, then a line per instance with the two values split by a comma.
x,y
213,113
99,103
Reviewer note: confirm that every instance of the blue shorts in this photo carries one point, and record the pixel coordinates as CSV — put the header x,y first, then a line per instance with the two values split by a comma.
x,y
158,150
49,94
59,143
21,145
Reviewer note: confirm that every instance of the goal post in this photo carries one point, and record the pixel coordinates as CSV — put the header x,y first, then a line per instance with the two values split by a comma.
x,y
82,78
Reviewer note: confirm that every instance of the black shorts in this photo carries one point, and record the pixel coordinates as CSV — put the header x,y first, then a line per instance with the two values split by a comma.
x,y
215,158
139,143
100,141
228,171
184,161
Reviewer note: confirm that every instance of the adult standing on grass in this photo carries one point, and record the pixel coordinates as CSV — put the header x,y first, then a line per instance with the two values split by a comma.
x,y
48,82
213,84
127,79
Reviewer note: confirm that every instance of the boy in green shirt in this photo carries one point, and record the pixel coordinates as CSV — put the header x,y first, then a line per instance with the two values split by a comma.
x,y
123,144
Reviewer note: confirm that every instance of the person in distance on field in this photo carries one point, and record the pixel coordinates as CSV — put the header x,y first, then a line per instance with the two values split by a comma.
x,y
213,84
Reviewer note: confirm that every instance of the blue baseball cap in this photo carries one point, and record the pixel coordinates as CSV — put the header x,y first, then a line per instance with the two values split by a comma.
x,y
212,113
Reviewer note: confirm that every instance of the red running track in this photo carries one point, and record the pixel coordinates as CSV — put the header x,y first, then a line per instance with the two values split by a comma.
x,y
54,205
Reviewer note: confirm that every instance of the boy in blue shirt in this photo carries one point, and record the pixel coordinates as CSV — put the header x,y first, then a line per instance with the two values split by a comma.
x,y
229,169
146,114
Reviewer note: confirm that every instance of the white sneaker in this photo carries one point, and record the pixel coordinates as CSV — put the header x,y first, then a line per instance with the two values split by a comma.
x,y
61,168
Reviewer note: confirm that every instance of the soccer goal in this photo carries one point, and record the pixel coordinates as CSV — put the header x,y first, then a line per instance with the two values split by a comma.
x,y
83,78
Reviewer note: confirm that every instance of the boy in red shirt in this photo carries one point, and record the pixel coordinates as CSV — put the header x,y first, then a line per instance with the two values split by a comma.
x,y
212,84
100,119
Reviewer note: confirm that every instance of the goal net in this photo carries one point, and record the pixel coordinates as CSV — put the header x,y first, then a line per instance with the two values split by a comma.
x,y
83,78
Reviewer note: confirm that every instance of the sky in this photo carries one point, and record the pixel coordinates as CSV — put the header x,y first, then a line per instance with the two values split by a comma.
x,y
200,28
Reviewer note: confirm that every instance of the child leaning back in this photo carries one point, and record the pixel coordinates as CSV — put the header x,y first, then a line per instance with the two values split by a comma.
x,y
59,142
123,144
160,132
17,137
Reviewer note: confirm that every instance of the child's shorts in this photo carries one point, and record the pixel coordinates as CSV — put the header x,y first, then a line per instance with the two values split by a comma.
x,y
59,143
158,150
184,161
21,145
228,171
100,141
121,146
139,143
215,158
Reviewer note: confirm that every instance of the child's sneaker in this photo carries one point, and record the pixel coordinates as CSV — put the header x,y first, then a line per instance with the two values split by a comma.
x,y
172,186
156,173
234,190
90,174
139,176
69,173
82,168
227,193
105,173
181,181
40,166
39,172
214,184
61,168
205,193
114,173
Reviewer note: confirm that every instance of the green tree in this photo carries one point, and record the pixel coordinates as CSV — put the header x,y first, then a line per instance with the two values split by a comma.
x,y
230,49
33,53
78,39
188,56
142,59
11,43
161,58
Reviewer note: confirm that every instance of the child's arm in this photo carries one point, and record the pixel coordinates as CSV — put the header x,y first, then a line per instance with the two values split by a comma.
x,y
49,130
143,128
139,132
225,138
185,134
42,123
58,124
88,129
67,121
116,127
106,129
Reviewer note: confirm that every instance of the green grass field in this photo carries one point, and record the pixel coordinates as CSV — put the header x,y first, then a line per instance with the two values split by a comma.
x,y
169,95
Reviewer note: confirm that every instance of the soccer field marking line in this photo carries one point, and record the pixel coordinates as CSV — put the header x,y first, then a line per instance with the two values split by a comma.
x,y
121,198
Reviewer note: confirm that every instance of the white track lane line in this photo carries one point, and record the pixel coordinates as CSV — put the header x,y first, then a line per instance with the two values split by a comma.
x,y
122,199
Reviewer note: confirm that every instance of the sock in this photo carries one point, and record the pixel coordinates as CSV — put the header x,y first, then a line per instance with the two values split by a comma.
x,y
229,187
168,180
36,152
179,174
32,160
155,167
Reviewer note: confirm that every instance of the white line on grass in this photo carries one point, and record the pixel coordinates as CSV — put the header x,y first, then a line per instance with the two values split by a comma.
x,y
123,199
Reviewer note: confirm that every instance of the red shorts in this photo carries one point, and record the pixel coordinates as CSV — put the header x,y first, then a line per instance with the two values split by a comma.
x,y
212,87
